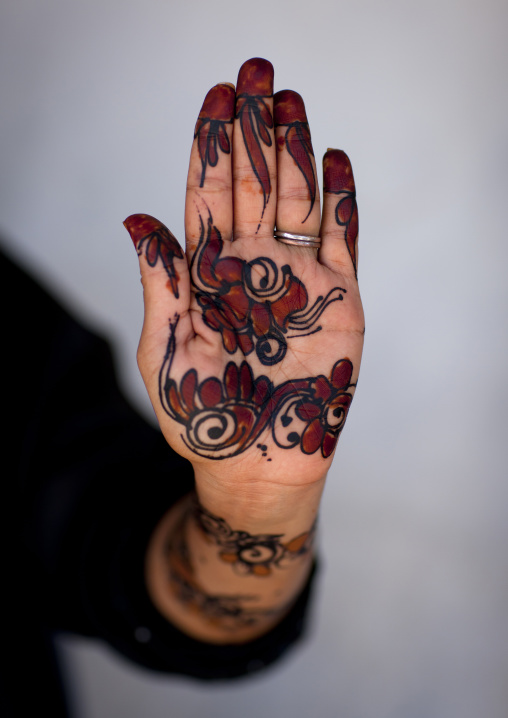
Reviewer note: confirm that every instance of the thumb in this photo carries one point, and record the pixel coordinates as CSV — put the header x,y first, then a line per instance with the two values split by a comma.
x,y
165,278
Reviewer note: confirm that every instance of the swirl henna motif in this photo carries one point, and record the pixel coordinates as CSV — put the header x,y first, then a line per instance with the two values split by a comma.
x,y
254,305
224,417
211,132
158,244
289,112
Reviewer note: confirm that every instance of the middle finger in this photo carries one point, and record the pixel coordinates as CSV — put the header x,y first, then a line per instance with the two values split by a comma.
x,y
254,161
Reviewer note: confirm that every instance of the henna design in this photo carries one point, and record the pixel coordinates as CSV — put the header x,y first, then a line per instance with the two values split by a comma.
x,y
338,179
226,611
158,244
251,554
289,112
211,133
254,87
253,304
224,417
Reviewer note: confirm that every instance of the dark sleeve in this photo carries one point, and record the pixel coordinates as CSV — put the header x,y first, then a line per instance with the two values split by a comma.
x,y
94,479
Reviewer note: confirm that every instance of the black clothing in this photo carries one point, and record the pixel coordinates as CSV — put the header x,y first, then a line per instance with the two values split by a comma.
x,y
93,478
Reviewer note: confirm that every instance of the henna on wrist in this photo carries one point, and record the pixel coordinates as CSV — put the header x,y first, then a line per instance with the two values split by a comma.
x,y
228,612
252,554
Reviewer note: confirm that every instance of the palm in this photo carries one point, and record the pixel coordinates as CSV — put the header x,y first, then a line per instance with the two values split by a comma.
x,y
264,341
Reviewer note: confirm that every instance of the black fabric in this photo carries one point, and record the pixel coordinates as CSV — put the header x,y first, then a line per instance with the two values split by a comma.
x,y
86,479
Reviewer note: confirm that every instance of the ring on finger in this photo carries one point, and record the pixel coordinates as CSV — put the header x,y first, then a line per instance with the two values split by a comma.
x,y
301,240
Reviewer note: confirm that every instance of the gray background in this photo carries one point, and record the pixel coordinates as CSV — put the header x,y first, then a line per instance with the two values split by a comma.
x,y
98,104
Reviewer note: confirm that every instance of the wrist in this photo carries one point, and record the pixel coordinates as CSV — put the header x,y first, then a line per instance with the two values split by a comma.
x,y
259,505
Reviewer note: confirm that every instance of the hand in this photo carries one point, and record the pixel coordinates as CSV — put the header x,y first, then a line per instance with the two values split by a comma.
x,y
251,348
250,352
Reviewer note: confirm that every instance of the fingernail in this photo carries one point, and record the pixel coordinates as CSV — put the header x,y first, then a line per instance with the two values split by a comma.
x,y
337,172
140,225
255,78
288,107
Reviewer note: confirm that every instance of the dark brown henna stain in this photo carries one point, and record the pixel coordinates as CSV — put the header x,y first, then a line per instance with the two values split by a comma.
x,y
255,77
289,111
253,305
157,242
224,417
254,87
211,133
249,554
338,179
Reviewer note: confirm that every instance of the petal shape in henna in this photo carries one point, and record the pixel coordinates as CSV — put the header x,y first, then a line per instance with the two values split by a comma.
x,y
245,343
237,302
208,254
307,411
210,392
322,389
262,390
261,318
229,269
299,147
230,340
188,388
246,381
293,300
341,374
174,401
213,155
231,382
329,443
248,124
312,437
223,139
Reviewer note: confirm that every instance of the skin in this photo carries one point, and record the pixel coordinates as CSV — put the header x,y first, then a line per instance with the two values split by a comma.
x,y
206,315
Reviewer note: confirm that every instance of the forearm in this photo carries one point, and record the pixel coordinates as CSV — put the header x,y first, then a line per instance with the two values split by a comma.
x,y
229,573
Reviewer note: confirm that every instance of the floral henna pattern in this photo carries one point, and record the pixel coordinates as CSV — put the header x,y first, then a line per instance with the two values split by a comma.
x,y
211,132
157,243
254,87
254,305
248,554
224,417
338,179
289,112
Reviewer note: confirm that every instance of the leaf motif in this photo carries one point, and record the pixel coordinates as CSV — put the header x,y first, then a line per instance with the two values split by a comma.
x,y
300,148
249,124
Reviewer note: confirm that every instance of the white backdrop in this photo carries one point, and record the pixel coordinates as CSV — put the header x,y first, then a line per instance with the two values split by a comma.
x,y
98,104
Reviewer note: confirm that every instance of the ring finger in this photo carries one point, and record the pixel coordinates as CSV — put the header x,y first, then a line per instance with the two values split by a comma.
x,y
298,207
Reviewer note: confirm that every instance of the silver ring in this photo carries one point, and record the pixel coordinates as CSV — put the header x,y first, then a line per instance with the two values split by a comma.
x,y
301,240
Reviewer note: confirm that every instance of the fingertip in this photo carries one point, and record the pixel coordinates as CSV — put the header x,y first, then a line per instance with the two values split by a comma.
x,y
255,77
288,107
337,172
140,225
219,103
